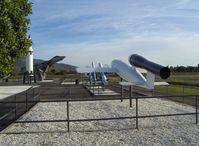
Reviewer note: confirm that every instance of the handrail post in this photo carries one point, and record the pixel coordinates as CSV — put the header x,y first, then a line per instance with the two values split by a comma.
x,y
15,107
153,92
121,93
39,92
136,112
68,119
196,109
33,92
167,91
33,96
130,96
98,89
26,100
183,93
69,92
93,89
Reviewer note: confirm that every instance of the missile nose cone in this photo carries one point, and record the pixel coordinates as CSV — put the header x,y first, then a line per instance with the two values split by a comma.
x,y
30,49
135,59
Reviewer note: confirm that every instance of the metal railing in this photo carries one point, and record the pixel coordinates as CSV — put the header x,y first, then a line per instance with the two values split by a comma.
x,y
12,107
136,117
28,102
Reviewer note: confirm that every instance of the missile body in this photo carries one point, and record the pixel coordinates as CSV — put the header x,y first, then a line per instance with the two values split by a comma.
x,y
139,61
93,74
29,61
102,75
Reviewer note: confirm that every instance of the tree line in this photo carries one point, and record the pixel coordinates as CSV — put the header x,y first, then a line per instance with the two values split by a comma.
x,y
184,68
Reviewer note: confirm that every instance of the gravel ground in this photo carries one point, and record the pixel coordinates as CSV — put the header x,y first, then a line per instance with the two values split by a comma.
x,y
180,130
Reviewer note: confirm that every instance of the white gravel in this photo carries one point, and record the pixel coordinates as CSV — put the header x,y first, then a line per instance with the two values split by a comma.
x,y
180,130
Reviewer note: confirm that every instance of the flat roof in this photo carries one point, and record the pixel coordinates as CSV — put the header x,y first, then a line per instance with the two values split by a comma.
x,y
6,91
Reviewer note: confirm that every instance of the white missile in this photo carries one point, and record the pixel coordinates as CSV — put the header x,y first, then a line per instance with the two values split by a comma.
x,y
93,74
93,64
102,75
29,61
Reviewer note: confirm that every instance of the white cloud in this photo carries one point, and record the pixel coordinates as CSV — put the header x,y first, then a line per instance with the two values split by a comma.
x,y
91,30
172,50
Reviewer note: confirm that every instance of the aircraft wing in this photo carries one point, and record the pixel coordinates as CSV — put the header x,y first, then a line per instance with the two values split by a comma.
x,y
104,70
98,69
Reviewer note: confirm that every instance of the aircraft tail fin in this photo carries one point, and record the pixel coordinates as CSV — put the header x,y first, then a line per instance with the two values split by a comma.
x,y
150,77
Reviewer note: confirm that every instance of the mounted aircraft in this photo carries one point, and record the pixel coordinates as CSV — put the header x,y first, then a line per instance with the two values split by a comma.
x,y
132,74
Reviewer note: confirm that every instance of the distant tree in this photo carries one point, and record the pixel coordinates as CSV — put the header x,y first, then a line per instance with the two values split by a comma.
x,y
53,71
184,69
14,23
171,68
61,72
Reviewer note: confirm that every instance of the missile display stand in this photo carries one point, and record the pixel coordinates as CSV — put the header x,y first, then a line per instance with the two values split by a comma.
x,y
28,78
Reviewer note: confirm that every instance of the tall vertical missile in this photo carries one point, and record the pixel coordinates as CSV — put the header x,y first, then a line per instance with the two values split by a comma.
x,y
102,75
29,61
94,78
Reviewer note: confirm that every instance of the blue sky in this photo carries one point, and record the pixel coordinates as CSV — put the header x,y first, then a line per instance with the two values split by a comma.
x,y
165,31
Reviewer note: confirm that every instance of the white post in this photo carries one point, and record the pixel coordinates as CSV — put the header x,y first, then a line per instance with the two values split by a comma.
x,y
29,64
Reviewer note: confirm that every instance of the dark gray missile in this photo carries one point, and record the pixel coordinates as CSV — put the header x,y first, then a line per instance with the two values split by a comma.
x,y
139,61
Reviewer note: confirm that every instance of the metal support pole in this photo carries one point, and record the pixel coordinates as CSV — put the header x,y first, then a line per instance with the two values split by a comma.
x,y
15,107
33,92
153,92
130,99
136,112
98,89
183,93
33,95
167,90
39,92
26,100
93,88
121,93
69,92
24,78
68,119
196,109
30,79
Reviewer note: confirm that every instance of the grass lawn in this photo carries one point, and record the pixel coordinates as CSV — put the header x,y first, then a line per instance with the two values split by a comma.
x,y
178,89
183,79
